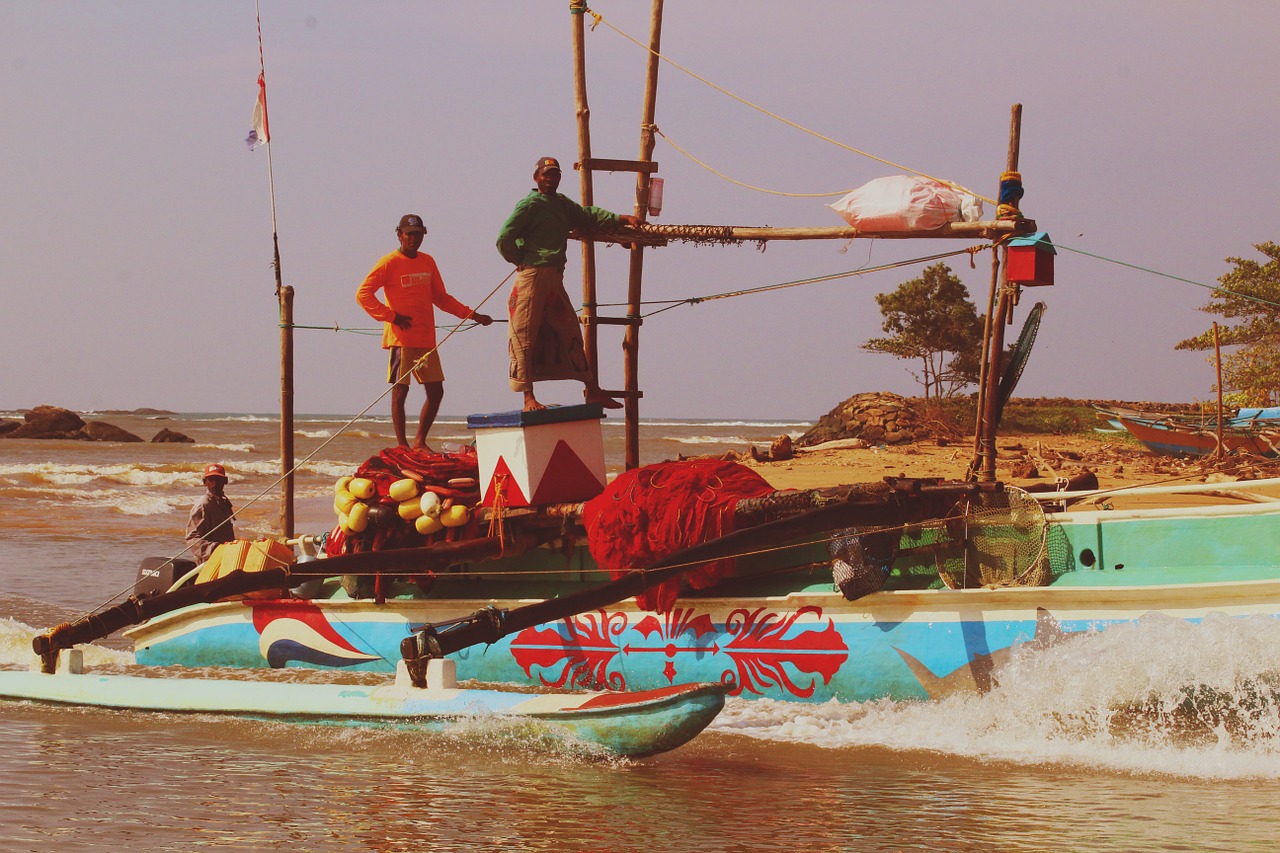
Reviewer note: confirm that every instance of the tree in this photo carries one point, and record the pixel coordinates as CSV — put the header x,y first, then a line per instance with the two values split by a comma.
x,y
928,319
1249,293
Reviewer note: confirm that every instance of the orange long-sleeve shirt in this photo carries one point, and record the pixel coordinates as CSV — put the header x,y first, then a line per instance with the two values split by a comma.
x,y
412,287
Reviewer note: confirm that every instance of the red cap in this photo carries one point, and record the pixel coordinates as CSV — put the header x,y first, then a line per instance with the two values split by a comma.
x,y
214,470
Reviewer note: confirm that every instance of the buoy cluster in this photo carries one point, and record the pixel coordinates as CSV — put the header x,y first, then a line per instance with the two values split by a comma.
x,y
356,499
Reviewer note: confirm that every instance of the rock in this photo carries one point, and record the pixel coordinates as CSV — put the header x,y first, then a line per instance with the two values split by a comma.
x,y
873,417
1025,470
168,435
781,449
103,431
48,422
8,426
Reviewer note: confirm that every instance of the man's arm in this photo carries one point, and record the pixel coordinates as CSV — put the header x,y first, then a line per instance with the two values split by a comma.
x,y
509,235
367,296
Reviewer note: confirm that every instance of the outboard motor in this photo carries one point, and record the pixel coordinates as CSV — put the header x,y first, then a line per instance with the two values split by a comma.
x,y
157,574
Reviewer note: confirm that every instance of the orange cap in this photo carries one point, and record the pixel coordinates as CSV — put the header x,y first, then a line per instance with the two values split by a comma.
x,y
214,470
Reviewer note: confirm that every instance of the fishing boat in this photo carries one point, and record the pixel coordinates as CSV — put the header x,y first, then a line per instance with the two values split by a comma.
x,y
901,588
904,590
632,725
1251,431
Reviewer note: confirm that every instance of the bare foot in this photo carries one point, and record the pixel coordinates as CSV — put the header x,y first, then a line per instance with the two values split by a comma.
x,y
421,445
532,406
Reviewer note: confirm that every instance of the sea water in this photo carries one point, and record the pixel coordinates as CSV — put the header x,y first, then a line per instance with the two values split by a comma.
x,y
1160,735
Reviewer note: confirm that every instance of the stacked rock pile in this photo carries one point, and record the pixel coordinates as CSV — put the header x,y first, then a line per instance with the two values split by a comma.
x,y
875,417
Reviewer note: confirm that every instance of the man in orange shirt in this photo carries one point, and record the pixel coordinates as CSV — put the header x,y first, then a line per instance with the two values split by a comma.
x,y
411,284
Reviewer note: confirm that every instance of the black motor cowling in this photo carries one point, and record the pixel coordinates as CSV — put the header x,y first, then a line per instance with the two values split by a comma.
x,y
157,574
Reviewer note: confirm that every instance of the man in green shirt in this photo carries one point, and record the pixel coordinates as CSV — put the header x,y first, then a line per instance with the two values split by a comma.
x,y
544,337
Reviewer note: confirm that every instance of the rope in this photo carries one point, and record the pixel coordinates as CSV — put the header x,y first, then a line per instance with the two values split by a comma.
x,y
599,19
497,512
1213,287
694,300
725,177
271,488
365,331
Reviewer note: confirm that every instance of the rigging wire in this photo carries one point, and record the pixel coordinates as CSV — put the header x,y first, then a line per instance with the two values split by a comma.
x,y
339,431
599,19
1216,289
750,291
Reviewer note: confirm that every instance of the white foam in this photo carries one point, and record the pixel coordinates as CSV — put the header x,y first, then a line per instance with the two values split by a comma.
x,y
15,647
1161,696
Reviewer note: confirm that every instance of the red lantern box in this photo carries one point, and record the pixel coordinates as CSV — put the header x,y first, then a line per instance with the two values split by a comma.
x,y
1030,261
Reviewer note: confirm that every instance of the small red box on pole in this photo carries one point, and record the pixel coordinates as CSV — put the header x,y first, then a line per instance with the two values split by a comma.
x,y
1030,261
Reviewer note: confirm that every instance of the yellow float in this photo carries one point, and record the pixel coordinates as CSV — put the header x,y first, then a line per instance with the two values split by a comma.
x,y
455,516
426,525
403,490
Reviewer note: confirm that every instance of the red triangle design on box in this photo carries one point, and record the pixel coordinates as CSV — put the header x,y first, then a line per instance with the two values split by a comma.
x,y
566,478
511,491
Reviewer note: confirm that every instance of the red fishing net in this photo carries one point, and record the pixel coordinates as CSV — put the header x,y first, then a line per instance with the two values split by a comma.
x,y
650,512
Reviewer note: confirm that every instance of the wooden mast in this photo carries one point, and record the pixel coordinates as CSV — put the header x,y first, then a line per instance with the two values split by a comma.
x,y
1004,307
631,339
286,402
590,337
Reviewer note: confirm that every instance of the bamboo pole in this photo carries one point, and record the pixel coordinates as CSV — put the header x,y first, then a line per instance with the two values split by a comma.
x,y
286,403
1004,308
979,428
631,338
660,234
590,336
1217,359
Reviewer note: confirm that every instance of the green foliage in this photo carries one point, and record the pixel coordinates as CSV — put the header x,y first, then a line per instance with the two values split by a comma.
x,y
932,320
1249,293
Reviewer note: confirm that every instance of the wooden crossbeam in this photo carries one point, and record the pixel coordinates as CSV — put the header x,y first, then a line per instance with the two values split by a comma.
x,y
601,164
649,233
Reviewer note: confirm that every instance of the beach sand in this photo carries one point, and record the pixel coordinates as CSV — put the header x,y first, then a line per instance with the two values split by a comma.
x,y
1117,463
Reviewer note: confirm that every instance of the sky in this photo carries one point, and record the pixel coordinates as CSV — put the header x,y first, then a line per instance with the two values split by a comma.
x,y
136,226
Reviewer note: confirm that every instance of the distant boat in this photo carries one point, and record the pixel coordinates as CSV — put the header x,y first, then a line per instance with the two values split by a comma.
x,y
1255,431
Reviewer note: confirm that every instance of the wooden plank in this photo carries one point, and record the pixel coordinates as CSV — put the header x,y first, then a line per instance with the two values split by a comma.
x,y
604,164
613,321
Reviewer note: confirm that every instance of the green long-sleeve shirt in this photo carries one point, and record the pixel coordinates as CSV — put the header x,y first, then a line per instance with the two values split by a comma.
x,y
537,232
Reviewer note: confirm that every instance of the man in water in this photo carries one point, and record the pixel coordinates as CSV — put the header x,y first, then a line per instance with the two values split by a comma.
x,y
411,283
545,338
210,522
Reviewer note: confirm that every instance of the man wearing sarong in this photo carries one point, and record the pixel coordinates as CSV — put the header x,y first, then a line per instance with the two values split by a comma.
x,y
544,337
410,281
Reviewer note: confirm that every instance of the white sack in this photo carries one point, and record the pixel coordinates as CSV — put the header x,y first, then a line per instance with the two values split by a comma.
x,y
906,203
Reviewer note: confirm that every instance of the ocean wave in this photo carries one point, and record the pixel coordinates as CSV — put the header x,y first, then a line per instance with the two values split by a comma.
x,y
15,646
1158,696
787,425
228,448
722,439
37,475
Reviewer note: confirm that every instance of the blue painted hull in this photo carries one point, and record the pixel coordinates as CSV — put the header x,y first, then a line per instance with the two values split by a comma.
x,y
805,642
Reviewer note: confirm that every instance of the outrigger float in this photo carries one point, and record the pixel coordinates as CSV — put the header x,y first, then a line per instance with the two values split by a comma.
x,y
631,725
901,589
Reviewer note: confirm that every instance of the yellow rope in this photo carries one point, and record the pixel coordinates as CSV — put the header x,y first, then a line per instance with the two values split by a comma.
x,y
723,176
599,19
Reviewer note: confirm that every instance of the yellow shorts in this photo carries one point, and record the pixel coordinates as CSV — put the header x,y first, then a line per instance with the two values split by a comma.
x,y
402,362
